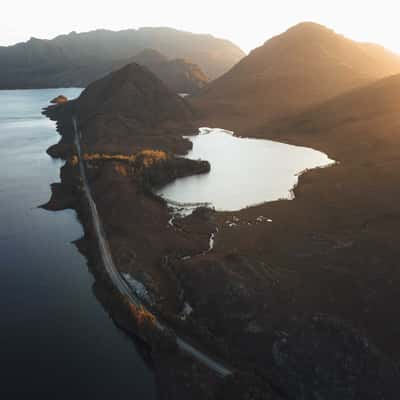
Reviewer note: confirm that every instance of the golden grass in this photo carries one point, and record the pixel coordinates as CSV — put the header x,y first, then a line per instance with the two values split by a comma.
x,y
73,161
147,157
121,170
103,156
141,315
151,157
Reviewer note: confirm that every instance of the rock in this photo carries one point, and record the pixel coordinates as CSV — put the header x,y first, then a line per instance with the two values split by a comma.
x,y
60,150
62,197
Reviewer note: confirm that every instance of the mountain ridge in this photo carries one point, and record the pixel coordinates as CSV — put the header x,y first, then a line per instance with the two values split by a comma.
x,y
364,120
179,74
68,60
305,65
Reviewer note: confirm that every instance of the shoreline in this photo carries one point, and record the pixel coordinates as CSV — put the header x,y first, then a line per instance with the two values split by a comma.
x,y
158,349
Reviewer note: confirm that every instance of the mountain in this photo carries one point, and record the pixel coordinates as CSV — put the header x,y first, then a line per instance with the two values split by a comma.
x,y
180,75
307,64
131,108
132,92
74,59
362,124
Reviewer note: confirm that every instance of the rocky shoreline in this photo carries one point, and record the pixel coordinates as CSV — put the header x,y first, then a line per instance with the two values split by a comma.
x,y
160,351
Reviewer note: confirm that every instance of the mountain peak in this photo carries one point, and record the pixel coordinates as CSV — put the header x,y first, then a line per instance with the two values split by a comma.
x,y
307,64
135,92
149,56
132,109
308,27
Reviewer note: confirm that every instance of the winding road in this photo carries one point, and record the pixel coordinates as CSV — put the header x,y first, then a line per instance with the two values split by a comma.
x,y
116,277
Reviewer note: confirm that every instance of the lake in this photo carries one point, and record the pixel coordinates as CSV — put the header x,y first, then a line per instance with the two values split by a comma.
x,y
244,172
57,342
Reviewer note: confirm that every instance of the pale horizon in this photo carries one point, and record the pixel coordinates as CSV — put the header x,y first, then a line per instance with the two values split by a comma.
x,y
247,25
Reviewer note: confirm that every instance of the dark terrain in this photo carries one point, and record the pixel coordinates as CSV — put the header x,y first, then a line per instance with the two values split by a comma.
x,y
303,307
76,59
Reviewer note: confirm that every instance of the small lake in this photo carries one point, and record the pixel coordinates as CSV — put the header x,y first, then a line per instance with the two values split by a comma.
x,y
56,340
244,172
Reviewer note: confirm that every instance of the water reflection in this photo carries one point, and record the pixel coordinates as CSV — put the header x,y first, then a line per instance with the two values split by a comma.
x,y
57,341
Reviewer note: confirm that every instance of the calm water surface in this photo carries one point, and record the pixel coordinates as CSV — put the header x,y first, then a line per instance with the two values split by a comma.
x,y
56,341
244,172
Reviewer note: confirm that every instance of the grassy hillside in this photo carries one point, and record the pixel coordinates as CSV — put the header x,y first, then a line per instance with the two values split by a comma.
x,y
306,65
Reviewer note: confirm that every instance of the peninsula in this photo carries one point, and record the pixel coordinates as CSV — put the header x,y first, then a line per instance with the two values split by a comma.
x,y
296,298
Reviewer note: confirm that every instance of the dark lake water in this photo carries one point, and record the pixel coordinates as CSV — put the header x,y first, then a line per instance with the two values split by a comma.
x,y
56,340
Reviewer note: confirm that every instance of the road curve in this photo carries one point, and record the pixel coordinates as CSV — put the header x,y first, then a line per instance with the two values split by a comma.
x,y
116,277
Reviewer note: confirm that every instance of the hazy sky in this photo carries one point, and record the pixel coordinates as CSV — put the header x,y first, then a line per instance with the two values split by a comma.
x,y
247,23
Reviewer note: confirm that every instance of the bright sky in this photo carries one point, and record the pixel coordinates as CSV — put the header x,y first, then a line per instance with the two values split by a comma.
x,y
247,23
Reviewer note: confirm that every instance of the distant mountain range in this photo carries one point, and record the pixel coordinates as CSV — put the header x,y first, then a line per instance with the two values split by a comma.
x,y
77,59
179,75
307,64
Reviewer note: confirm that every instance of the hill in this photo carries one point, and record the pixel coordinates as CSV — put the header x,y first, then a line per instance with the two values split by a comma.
x,y
307,64
79,58
360,124
131,108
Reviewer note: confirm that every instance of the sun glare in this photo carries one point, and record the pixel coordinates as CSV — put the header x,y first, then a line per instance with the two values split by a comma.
x,y
248,24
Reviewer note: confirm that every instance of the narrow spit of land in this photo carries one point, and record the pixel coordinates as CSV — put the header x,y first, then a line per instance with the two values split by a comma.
x,y
116,277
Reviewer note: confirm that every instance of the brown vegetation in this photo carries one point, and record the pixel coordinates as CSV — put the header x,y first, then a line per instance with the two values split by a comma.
x,y
61,99
74,161
142,316
121,170
143,159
